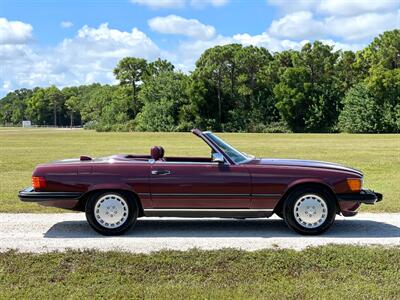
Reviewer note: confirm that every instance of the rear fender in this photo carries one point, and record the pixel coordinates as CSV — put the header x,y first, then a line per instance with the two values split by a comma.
x,y
110,187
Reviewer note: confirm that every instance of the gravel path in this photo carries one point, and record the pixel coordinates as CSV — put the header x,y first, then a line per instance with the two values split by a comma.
x,y
49,232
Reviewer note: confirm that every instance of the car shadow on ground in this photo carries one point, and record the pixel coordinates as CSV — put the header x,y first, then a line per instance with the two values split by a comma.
x,y
258,228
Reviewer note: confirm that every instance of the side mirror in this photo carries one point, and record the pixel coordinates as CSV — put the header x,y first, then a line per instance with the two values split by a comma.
x,y
218,157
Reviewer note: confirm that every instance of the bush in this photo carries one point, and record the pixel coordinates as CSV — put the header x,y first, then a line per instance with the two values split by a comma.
x,y
157,116
276,127
360,112
91,125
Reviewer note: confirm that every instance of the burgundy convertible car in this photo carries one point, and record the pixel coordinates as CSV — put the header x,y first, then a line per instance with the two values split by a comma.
x,y
114,191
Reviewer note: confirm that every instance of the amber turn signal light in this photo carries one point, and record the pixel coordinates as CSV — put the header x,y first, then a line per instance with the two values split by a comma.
x,y
38,182
354,184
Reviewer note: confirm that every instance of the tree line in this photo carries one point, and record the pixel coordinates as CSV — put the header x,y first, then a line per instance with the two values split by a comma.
x,y
233,88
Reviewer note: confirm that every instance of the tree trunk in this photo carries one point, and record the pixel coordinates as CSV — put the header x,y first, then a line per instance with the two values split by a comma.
x,y
134,99
219,104
72,118
219,109
233,70
55,113
253,86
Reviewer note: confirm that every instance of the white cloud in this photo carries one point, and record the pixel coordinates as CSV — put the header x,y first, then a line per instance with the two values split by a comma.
x,y
66,24
304,24
104,46
297,25
356,7
362,26
88,57
14,32
173,24
343,46
267,41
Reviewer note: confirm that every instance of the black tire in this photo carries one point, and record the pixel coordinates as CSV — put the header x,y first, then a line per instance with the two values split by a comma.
x,y
129,219
313,193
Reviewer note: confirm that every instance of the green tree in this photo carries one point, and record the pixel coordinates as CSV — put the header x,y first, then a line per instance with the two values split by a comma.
x,y
384,87
159,66
55,99
253,60
72,102
347,71
383,80
114,116
359,111
96,99
13,106
307,95
255,103
163,97
383,51
38,107
73,105
212,68
130,71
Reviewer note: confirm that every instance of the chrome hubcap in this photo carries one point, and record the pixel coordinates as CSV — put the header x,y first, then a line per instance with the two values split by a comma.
x,y
111,211
310,211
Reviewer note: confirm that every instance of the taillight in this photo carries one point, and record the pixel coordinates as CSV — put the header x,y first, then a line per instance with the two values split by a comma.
x,y
38,182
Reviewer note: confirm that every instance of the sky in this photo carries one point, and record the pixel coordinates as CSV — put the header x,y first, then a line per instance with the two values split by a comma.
x,y
71,42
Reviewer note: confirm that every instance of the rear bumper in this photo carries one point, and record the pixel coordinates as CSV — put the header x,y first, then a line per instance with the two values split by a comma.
x,y
30,195
365,196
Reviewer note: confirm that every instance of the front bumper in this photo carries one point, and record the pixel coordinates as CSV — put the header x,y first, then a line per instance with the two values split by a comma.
x,y
30,195
365,196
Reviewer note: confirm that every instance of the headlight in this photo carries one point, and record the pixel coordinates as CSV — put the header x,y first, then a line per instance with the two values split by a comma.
x,y
355,184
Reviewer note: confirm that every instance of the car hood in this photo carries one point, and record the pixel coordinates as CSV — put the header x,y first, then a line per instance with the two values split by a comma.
x,y
305,163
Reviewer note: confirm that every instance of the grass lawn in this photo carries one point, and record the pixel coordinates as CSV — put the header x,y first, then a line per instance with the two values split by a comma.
x,y
329,272
378,156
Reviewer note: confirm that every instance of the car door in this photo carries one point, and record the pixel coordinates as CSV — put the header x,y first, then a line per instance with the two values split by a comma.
x,y
199,185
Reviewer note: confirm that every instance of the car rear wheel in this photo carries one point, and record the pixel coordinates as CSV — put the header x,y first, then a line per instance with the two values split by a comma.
x,y
111,213
309,210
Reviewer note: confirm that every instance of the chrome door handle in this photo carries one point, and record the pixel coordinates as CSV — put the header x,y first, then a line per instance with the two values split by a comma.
x,y
160,172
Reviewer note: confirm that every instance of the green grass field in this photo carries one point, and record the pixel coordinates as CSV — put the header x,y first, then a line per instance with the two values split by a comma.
x,y
378,156
329,272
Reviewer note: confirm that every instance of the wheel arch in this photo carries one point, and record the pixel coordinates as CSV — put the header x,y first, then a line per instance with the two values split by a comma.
x,y
133,196
304,184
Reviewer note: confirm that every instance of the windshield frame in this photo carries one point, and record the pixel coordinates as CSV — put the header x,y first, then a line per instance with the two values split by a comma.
x,y
238,157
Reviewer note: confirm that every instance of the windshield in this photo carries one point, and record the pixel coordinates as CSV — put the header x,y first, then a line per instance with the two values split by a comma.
x,y
237,156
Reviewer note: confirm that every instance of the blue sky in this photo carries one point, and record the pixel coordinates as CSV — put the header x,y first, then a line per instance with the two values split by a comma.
x,y
44,42
46,16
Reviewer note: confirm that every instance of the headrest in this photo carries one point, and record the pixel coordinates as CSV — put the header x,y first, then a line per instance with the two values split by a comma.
x,y
162,151
157,152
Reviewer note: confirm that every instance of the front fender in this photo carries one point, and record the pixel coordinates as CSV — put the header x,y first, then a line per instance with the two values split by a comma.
x,y
303,181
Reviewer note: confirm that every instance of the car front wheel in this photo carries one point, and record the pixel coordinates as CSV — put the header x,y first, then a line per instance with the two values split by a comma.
x,y
111,213
309,210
